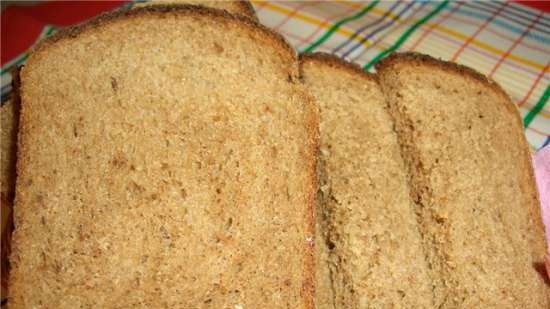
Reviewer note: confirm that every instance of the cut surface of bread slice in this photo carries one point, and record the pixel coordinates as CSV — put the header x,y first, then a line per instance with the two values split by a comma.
x,y
238,7
472,180
9,121
374,248
166,160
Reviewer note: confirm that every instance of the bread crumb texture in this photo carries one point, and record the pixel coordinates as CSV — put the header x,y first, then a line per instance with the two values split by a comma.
x,y
9,113
472,181
167,160
370,254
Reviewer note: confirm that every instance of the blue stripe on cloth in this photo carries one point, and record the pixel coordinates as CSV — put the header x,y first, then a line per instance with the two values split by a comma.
x,y
381,28
362,29
466,12
507,15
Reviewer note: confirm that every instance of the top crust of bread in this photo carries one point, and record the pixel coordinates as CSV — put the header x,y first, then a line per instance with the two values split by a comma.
x,y
414,58
335,62
237,7
160,11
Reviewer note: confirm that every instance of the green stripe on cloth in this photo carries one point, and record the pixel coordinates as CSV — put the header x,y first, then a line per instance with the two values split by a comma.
x,y
337,25
22,58
406,35
540,105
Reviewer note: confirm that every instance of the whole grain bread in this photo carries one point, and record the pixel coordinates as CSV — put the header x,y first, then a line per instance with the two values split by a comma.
x,y
370,250
238,7
472,181
173,166
9,121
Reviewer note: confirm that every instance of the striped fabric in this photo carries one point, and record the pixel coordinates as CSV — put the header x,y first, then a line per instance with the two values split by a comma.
x,y
507,41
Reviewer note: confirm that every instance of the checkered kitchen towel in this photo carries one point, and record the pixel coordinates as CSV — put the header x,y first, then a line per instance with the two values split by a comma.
x,y
508,41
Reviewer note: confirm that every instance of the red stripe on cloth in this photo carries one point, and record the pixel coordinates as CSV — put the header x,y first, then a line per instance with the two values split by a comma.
x,y
483,26
468,20
535,83
22,25
291,15
516,42
539,5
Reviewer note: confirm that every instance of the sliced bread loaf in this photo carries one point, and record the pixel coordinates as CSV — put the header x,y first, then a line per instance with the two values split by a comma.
x,y
472,182
239,7
373,253
167,160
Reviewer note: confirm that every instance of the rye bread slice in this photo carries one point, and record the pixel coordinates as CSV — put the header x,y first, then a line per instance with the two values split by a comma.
x,y
472,182
167,159
372,254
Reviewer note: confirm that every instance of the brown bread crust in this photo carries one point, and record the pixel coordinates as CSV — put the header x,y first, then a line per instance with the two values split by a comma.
x,y
335,62
178,9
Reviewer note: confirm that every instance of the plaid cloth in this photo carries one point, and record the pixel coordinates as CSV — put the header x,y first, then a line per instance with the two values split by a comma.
x,y
507,41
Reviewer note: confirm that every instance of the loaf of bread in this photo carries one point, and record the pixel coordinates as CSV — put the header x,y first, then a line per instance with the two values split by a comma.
x,y
472,182
373,257
237,7
167,159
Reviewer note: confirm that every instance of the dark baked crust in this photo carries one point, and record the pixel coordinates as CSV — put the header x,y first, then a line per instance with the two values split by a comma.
x,y
422,59
247,7
335,62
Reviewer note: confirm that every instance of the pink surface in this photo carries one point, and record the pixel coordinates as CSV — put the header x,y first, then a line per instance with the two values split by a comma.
x,y
542,172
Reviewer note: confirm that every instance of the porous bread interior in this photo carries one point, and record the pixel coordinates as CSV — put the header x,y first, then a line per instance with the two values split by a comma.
x,y
179,174
375,248
234,7
472,182
8,124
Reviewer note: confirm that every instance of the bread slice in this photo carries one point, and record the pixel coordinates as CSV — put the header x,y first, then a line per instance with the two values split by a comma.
x,y
238,7
9,121
172,166
375,252
472,181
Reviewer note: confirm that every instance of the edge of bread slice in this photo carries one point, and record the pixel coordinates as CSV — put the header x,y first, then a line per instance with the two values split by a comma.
x,y
238,7
36,216
370,251
472,181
